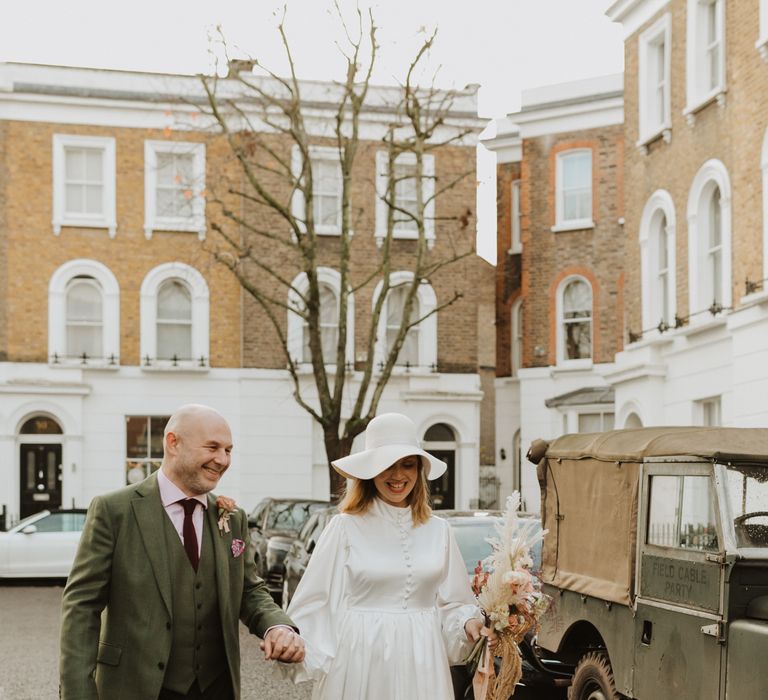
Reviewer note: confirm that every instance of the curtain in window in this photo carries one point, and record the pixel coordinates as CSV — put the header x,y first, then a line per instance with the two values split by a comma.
x,y
84,188
84,318
577,320
329,325
174,321
409,352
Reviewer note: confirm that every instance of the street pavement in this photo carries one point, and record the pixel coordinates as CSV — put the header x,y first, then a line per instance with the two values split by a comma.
x,y
29,650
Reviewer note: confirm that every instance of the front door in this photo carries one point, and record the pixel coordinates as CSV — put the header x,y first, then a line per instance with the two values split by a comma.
x,y
679,621
40,477
442,490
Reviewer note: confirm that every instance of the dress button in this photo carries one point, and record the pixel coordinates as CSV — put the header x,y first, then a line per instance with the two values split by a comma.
x,y
167,625
199,605
198,585
161,665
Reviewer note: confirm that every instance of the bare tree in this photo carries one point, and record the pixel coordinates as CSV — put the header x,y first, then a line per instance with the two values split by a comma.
x,y
265,120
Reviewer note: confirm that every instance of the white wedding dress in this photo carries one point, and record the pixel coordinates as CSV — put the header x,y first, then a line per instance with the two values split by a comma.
x,y
382,608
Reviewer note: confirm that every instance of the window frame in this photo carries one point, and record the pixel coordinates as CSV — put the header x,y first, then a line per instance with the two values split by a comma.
x,y
295,332
712,173
562,360
516,337
427,342
562,224
659,202
154,223
648,103
199,293
427,192
107,219
298,205
57,314
762,40
699,94
516,244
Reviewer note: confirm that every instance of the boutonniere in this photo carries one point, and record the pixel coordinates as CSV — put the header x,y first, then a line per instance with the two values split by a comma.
x,y
226,506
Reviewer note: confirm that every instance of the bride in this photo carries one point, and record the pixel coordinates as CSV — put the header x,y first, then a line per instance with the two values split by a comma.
x,y
385,604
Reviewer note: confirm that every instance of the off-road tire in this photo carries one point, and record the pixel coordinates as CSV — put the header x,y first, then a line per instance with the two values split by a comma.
x,y
593,679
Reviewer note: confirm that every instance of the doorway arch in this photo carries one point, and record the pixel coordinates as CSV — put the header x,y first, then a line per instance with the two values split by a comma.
x,y
40,464
440,441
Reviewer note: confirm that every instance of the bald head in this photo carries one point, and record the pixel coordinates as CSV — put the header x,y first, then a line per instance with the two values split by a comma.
x,y
190,417
196,448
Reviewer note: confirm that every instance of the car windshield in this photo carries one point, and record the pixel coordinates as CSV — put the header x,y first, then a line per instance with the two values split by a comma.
x,y
289,517
747,487
472,537
54,522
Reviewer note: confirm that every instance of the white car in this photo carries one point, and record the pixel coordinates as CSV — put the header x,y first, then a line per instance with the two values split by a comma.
x,y
42,545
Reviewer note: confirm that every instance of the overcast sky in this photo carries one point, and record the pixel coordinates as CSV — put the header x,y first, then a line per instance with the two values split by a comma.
x,y
504,45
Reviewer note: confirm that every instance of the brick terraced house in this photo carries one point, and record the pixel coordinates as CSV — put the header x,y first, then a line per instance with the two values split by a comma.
x,y
112,312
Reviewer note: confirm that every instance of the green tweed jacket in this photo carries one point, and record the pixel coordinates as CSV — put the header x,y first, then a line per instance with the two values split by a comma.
x,y
121,570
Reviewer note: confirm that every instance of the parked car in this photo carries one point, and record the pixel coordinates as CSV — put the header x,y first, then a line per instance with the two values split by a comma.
x,y
274,523
298,555
472,529
42,545
657,556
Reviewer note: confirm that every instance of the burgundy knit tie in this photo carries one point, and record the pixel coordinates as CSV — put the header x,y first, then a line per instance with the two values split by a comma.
x,y
190,536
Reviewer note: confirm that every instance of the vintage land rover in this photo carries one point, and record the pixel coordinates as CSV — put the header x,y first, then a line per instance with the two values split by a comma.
x,y
656,558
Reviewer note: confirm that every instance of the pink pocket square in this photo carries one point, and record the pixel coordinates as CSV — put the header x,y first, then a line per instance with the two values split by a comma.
x,y
238,547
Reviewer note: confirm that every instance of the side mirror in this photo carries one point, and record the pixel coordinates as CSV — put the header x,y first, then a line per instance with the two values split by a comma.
x,y
29,530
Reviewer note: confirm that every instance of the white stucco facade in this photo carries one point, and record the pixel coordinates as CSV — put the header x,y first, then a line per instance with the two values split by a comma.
x,y
675,378
278,448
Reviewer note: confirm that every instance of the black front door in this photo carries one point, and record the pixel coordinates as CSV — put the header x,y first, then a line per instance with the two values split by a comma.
x,y
40,478
442,490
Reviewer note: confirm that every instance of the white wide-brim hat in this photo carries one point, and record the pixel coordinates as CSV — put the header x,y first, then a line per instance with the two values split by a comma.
x,y
389,437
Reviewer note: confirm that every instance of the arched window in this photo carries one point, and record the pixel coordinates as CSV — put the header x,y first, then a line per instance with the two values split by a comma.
x,y
709,241
83,315
657,261
174,321
419,349
713,275
174,318
329,288
575,320
329,325
395,306
85,336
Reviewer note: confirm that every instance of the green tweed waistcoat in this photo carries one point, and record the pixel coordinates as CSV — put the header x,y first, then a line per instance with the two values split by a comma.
x,y
197,645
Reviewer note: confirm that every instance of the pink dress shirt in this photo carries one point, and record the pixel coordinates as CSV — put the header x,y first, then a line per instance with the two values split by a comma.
x,y
170,494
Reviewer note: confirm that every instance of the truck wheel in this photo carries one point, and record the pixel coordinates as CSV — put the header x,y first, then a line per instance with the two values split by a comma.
x,y
593,679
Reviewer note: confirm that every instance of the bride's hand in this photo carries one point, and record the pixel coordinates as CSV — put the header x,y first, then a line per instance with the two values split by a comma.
x,y
474,629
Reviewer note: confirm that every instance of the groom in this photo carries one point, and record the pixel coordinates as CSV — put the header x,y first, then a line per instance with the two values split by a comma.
x,y
171,580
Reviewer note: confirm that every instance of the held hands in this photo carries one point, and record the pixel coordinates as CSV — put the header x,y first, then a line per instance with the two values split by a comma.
x,y
474,629
283,644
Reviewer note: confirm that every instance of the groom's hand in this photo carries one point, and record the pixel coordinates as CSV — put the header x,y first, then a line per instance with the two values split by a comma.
x,y
283,644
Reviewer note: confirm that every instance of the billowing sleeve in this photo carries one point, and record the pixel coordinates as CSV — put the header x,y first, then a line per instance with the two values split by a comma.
x,y
316,605
456,602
